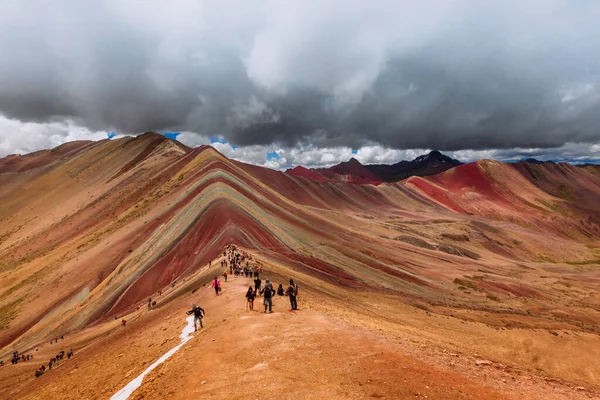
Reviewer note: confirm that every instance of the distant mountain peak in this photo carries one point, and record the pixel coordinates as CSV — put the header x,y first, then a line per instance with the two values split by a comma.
x,y
431,163
434,155
532,160
352,161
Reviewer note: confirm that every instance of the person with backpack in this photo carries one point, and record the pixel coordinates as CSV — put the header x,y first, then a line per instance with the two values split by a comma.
x,y
292,291
268,292
280,291
250,295
216,284
198,315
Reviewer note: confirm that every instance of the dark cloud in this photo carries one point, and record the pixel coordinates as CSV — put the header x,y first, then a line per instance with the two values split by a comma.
x,y
445,75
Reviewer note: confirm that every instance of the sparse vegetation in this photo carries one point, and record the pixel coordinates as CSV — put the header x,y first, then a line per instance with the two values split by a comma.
x,y
8,313
456,237
584,262
465,283
485,227
459,251
454,250
415,242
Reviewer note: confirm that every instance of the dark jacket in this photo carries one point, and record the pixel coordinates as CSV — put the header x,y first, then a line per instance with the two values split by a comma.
x,y
197,311
268,291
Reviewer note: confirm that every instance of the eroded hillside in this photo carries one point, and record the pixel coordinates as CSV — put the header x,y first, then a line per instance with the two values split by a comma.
x,y
494,253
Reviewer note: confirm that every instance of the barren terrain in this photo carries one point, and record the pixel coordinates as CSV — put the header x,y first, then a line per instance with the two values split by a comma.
x,y
479,282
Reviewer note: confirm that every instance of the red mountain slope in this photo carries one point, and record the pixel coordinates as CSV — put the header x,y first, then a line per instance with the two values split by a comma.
x,y
90,230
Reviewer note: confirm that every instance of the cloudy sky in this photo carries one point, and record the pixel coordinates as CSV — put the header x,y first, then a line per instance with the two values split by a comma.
x,y
280,83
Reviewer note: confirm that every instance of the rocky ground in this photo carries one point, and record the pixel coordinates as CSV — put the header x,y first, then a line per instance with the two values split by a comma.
x,y
326,349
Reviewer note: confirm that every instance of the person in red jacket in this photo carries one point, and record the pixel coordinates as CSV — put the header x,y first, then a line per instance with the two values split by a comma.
x,y
216,284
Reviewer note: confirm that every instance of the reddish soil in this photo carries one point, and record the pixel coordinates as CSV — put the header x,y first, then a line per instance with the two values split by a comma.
x,y
487,261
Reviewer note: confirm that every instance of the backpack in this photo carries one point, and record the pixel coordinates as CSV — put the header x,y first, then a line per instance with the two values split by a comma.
x,y
268,292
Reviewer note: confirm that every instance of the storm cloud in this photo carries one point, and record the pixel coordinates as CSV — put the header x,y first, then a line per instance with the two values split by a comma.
x,y
451,75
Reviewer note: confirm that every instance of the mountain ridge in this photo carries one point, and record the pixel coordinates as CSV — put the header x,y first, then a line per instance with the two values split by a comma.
x,y
92,232
355,172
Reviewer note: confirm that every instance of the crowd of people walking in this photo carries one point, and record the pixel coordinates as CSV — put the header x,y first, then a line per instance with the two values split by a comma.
x,y
53,362
239,265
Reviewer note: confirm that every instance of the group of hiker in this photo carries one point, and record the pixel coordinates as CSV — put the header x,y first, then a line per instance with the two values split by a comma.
x,y
22,357
268,292
238,262
56,340
16,358
235,260
53,362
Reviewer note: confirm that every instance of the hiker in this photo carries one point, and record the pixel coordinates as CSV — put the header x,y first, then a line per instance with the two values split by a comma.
x,y
149,302
269,285
257,283
123,322
292,291
198,314
216,284
250,295
280,291
225,275
268,293
70,353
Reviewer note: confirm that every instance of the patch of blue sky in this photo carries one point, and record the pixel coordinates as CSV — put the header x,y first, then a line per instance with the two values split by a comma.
x,y
111,134
217,139
272,156
171,135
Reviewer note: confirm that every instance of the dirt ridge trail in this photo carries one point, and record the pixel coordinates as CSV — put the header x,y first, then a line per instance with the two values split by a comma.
x,y
250,355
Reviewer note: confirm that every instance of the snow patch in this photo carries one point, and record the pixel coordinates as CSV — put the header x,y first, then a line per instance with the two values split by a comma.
x,y
259,366
137,382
